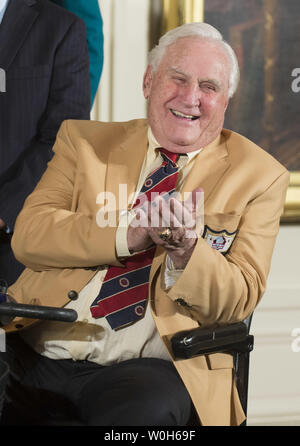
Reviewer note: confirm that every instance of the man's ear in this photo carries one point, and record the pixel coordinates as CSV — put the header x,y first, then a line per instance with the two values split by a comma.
x,y
226,104
147,82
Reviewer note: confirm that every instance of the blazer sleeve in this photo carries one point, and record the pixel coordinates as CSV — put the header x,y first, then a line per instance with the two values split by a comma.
x,y
68,98
50,232
223,289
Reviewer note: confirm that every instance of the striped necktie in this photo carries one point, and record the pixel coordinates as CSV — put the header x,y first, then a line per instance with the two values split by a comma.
x,y
123,295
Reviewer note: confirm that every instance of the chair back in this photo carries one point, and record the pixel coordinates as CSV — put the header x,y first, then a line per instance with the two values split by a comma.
x,y
241,364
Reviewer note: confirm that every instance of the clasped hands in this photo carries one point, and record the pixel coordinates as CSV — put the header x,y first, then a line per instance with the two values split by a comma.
x,y
167,222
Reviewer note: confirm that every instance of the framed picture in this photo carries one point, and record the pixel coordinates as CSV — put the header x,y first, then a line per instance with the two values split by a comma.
x,y
265,36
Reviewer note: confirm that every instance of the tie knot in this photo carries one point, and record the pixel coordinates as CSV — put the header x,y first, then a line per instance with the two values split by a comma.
x,y
173,157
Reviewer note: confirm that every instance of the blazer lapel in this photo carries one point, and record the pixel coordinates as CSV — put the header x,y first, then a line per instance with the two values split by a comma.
x,y
17,21
124,165
210,165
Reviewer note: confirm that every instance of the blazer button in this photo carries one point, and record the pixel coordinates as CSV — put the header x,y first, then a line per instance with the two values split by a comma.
x,y
72,295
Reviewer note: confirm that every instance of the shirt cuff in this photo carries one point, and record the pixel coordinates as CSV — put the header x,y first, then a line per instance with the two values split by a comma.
x,y
171,274
126,218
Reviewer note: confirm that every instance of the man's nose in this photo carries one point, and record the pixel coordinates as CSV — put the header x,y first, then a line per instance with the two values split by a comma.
x,y
191,95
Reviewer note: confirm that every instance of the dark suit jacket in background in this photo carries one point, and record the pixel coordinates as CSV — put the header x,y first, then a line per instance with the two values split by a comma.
x,y
89,12
43,51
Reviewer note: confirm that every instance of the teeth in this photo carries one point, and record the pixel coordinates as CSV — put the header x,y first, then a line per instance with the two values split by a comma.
x,y
182,115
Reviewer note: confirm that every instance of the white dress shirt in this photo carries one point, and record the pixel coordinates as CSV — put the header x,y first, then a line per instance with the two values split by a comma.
x,y
3,6
93,339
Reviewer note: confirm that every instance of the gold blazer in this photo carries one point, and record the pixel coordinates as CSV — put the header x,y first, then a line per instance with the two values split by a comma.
x,y
57,238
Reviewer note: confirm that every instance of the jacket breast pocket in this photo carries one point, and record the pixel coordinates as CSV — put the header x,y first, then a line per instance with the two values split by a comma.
x,y
220,230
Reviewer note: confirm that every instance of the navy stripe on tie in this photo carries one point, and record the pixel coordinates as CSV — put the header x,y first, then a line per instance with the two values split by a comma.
x,y
157,177
127,315
113,286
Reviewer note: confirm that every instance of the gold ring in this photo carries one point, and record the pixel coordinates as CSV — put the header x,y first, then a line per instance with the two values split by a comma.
x,y
165,235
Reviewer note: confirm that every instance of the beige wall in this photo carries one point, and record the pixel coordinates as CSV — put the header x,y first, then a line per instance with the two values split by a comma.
x,y
120,95
274,385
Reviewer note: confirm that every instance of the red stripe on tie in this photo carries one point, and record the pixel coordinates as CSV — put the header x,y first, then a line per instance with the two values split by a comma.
x,y
163,187
121,300
137,261
172,156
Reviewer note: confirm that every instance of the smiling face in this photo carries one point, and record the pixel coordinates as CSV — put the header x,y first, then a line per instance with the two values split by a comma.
x,y
188,94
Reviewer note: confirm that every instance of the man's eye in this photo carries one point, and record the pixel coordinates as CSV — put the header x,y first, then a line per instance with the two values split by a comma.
x,y
210,87
179,79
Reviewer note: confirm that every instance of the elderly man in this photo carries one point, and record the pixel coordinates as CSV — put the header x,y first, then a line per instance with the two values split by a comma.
x,y
104,227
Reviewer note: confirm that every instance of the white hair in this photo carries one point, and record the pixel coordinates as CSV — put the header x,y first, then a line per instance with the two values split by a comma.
x,y
204,31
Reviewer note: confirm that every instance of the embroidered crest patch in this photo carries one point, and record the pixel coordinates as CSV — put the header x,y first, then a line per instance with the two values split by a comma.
x,y
219,240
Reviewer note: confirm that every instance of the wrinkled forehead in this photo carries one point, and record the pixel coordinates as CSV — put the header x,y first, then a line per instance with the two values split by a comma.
x,y
198,58
196,47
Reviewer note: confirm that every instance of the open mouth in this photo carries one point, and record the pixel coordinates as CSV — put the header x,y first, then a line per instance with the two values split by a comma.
x,y
178,114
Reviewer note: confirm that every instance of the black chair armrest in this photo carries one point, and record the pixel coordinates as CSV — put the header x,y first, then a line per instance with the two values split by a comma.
x,y
12,310
9,309
201,341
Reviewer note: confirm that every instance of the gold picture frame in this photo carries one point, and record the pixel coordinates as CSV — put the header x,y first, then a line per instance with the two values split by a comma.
x,y
291,212
177,12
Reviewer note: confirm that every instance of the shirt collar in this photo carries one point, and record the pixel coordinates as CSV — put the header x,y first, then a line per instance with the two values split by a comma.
x,y
153,144
3,5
